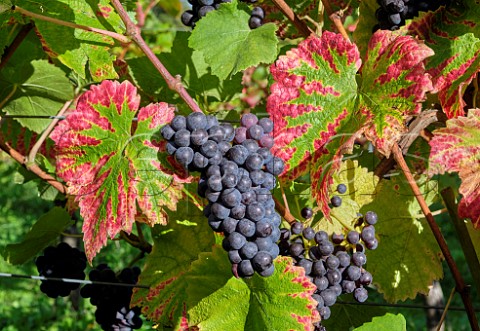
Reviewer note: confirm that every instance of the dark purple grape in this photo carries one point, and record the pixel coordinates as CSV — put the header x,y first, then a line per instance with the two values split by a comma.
x,y
196,120
336,201
332,262
214,183
366,278
329,297
342,188
258,12
238,154
257,177
320,237
326,248
216,133
343,258
184,156
251,145
348,286
229,225
231,197
308,233
255,132
209,149
182,138
261,261
353,273
204,10
249,250
229,131
266,141
245,269
264,229
297,227
236,240
267,272
359,259
219,211
353,237
234,256
229,181
246,227
337,238
306,264
167,132
179,122
254,162
325,313
240,135
248,120
306,212
318,268
266,123
296,249
334,276
371,218
275,166
255,22
372,244
368,233
255,211
360,294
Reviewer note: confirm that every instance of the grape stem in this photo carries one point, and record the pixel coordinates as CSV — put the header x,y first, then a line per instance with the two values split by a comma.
x,y
336,18
136,242
442,319
134,32
15,43
33,168
114,35
284,212
459,282
290,14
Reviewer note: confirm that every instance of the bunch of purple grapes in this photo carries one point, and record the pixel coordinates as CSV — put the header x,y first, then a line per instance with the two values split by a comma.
x,y
237,174
62,261
200,8
335,264
113,302
393,13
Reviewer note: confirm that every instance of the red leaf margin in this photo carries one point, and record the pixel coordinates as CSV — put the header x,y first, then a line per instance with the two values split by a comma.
x,y
449,154
84,181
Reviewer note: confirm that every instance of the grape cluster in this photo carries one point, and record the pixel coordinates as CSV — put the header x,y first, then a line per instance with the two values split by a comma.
x,y
237,174
200,8
113,302
62,261
393,13
335,264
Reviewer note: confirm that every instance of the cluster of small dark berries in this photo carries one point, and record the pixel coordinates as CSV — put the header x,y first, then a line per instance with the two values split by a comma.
x,y
393,13
113,302
237,174
62,261
335,264
200,8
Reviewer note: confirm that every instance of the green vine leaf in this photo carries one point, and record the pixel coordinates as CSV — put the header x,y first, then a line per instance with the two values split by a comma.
x,y
33,88
388,322
78,49
112,166
170,269
227,42
43,232
408,258
456,148
345,316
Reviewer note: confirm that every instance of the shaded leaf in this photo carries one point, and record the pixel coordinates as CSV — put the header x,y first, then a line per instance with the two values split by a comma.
x,y
394,83
456,148
227,42
47,229
279,302
408,258
345,316
38,89
388,322
169,269
112,166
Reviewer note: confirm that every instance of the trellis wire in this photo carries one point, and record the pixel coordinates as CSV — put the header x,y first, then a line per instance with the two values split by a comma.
x,y
80,281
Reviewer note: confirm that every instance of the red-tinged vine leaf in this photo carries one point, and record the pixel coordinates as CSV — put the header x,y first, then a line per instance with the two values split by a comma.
x,y
408,257
394,83
280,302
111,166
75,48
456,148
453,35
169,266
313,94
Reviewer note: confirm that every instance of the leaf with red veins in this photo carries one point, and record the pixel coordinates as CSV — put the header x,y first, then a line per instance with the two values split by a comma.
x,y
314,93
453,35
111,165
394,83
456,148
